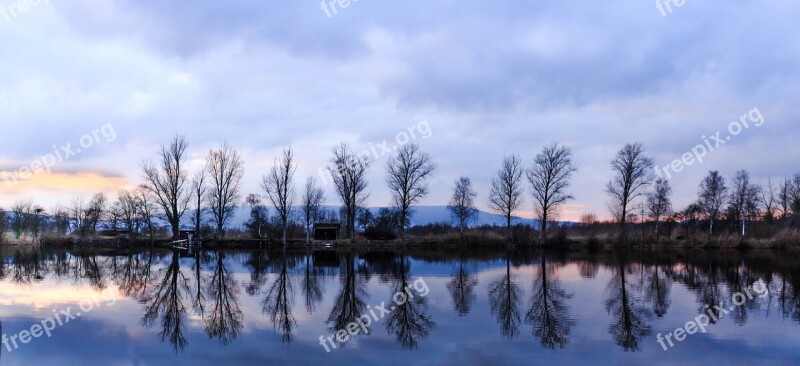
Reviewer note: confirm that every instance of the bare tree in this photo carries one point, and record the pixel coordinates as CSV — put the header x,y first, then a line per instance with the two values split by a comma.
x,y
406,175
633,171
768,196
114,215
312,201
549,178
129,210
225,170
462,204
795,194
61,219
505,196
259,216
20,212
743,199
713,193
659,201
3,224
279,186
94,213
199,189
77,214
146,202
167,181
785,197
349,173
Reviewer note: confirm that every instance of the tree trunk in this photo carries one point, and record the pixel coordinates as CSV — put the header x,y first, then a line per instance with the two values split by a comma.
x,y
544,228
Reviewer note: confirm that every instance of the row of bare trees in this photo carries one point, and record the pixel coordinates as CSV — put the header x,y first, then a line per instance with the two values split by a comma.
x,y
216,186
549,180
215,189
742,202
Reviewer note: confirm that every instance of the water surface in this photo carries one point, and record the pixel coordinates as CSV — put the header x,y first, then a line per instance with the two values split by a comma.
x,y
488,307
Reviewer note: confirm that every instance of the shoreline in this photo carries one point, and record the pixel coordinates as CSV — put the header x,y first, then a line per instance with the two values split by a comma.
x,y
424,243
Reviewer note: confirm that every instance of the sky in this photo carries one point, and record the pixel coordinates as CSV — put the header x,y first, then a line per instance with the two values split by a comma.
x,y
470,82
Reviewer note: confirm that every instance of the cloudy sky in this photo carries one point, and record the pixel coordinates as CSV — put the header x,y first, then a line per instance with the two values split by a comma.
x,y
488,78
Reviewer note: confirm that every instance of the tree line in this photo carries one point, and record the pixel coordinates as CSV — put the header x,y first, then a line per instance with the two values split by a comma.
x,y
210,195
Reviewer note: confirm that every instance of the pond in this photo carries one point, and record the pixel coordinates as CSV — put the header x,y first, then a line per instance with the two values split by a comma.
x,y
399,307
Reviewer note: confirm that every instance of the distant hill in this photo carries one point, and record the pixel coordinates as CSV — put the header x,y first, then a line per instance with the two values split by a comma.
x,y
423,215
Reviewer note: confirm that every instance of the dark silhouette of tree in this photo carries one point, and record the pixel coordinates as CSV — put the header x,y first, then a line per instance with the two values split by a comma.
x,y
406,176
504,300
549,178
128,210
349,174
785,197
259,216
279,302
548,313
462,204
743,199
505,197
409,321
224,320
313,196
768,198
167,301
279,186
713,193
630,316
659,201
225,169
632,172
146,203
199,189
167,181
462,288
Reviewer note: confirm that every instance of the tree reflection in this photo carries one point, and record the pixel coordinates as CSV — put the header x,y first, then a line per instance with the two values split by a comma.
x,y
26,267
224,320
198,296
630,316
408,321
548,312
788,296
657,291
504,299
349,304
258,263
134,275
279,301
167,301
313,285
462,288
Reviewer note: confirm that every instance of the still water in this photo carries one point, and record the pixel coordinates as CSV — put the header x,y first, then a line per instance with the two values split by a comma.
x,y
488,307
